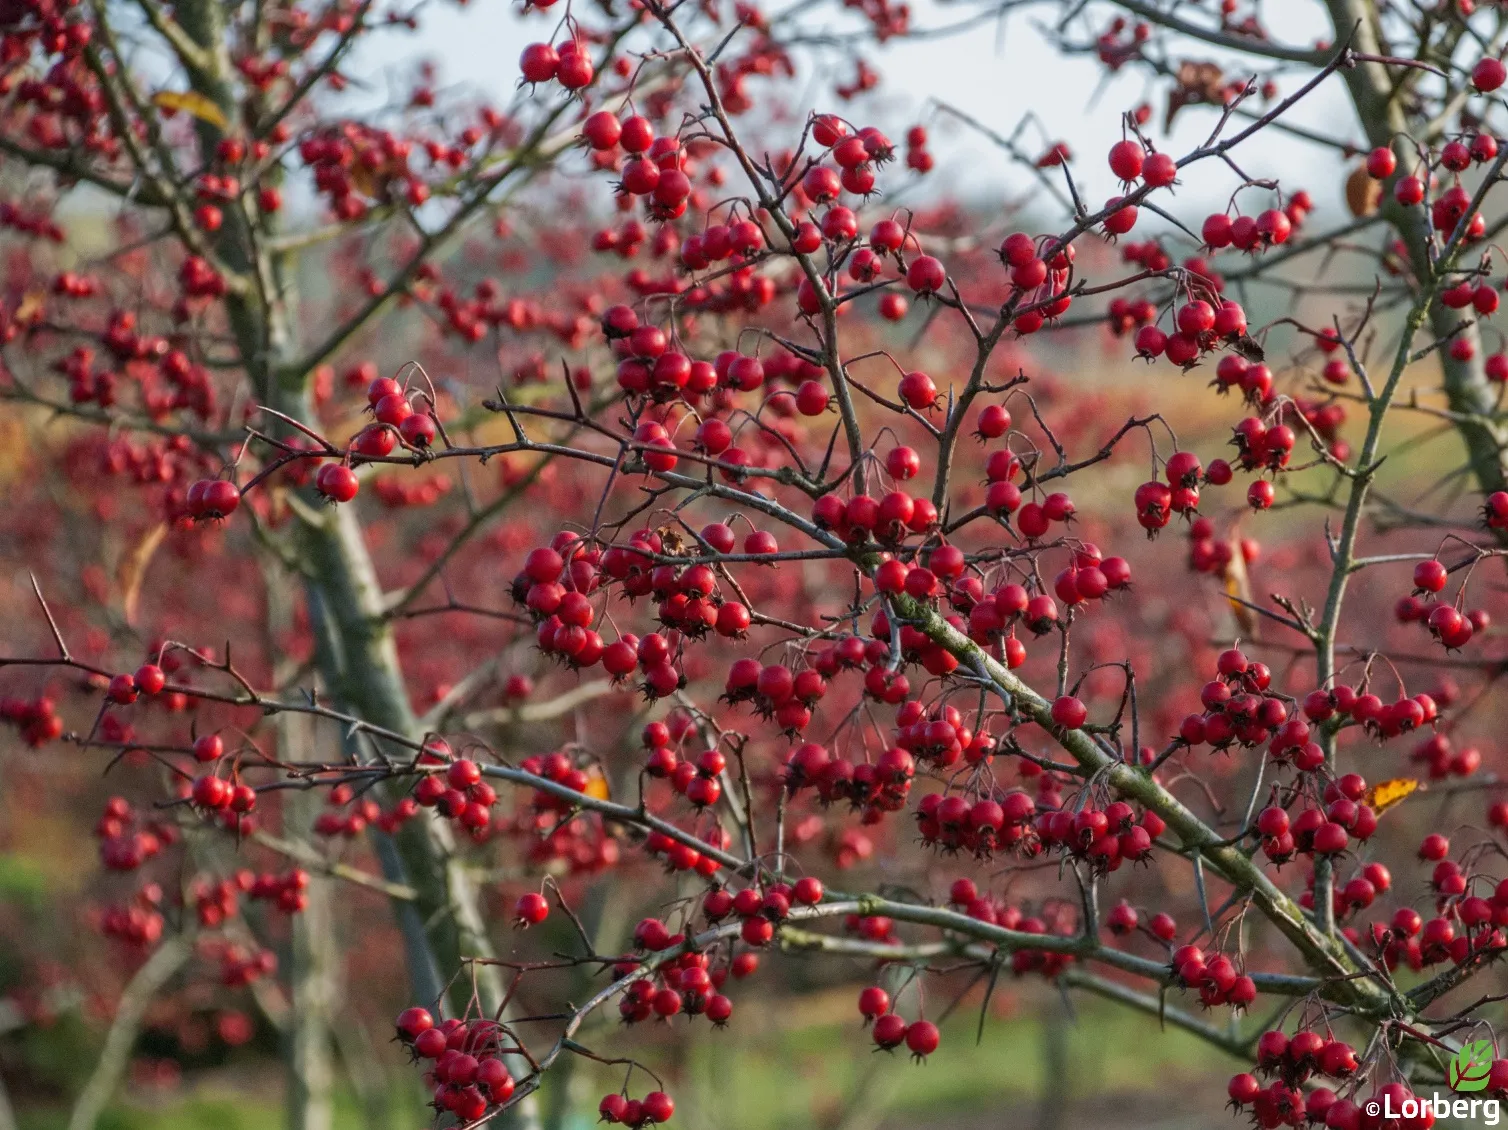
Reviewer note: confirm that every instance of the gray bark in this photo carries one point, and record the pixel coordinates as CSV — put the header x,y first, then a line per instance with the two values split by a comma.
x,y
357,659
1379,105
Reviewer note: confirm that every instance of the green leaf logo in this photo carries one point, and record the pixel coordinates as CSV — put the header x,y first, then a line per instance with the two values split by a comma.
x,y
1471,1067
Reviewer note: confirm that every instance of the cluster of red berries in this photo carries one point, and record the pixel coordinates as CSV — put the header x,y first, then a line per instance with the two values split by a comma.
x,y
215,903
873,787
354,164
1156,502
37,222
680,856
1326,831
1355,894
550,833
125,688
239,966
465,1072
775,691
1290,1062
400,493
941,736
1441,760
1124,920
1257,233
1466,925
459,793
138,924
891,1030
1446,622
125,341
697,778
1238,709
984,826
36,718
1382,720
965,894
1104,837
1039,271
1200,328
1210,554
888,520
394,419
653,1108
1214,976
648,366
126,841
362,814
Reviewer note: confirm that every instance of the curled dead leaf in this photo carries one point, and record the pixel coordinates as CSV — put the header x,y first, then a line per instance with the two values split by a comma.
x,y
1238,589
1385,794
1198,84
132,570
1363,194
188,102
33,303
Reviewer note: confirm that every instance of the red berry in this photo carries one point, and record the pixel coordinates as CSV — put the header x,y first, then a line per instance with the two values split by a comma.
x,y
531,909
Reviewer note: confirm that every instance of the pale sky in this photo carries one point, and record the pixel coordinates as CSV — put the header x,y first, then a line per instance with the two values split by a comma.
x,y
994,74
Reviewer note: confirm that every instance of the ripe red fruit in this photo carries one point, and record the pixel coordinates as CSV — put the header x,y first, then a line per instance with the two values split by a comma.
x,y
889,1031
531,909
1126,159
873,1002
657,1106
493,1077
336,482
1381,163
539,62
122,689
807,891
925,275
219,499
1196,317
994,422
1408,191
903,463
211,792
1159,170
602,130
149,679
1069,712
922,1038
414,1021
1434,847
1430,576
1488,74
918,391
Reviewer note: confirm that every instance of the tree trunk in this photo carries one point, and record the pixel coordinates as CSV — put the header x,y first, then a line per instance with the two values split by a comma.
x,y
357,659
1379,104
315,984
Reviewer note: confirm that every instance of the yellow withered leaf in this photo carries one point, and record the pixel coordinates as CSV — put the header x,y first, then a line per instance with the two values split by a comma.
x,y
133,570
1383,795
596,786
31,307
1238,589
187,101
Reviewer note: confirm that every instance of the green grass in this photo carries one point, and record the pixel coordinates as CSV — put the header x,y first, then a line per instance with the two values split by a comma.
x,y
764,1077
